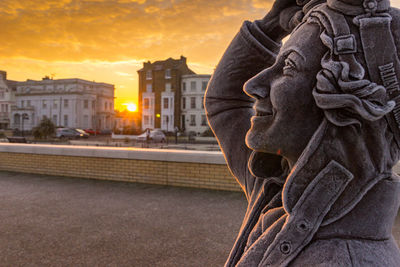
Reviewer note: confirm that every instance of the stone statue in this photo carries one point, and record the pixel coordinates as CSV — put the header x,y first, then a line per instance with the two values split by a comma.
x,y
310,130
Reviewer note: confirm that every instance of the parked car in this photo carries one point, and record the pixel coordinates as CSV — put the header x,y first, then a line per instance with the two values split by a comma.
x,y
106,132
92,132
155,136
83,134
67,133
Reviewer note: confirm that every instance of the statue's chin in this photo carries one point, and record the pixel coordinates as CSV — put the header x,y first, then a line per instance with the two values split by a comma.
x,y
257,141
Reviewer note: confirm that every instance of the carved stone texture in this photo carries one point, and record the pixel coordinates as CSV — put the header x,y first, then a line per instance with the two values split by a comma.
x,y
310,130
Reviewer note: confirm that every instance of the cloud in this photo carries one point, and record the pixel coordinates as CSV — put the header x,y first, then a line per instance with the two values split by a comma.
x,y
123,74
108,40
265,4
117,30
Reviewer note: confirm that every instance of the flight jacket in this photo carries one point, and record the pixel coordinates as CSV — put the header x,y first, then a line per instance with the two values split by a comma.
x,y
337,205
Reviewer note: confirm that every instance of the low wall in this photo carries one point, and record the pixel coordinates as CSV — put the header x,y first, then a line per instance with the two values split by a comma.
x,y
199,169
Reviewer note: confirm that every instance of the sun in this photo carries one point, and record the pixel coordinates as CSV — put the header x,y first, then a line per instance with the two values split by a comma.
x,y
131,107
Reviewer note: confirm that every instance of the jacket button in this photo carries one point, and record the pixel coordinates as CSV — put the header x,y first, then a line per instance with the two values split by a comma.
x,y
302,226
285,247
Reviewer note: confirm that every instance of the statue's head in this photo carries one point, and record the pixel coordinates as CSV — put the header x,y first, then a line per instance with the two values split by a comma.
x,y
286,113
312,81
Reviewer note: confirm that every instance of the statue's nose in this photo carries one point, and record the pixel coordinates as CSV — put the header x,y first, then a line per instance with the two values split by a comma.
x,y
257,87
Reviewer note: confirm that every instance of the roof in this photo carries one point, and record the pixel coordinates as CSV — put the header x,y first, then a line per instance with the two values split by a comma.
x,y
173,63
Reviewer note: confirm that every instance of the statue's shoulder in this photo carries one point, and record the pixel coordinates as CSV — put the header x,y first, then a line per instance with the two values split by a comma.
x,y
395,13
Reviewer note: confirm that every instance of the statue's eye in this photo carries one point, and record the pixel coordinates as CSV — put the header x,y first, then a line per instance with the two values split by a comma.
x,y
290,67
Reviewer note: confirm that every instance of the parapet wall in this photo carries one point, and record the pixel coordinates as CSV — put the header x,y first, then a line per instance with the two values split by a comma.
x,y
198,169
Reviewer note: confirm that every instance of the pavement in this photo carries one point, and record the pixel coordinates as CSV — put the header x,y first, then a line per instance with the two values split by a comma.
x,y
59,221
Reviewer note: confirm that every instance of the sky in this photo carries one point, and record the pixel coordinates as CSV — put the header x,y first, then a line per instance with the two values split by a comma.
x,y
108,40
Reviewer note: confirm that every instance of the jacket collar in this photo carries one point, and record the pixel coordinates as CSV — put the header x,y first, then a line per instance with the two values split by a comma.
x,y
353,155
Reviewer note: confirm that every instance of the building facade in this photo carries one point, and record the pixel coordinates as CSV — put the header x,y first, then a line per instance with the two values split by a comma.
x,y
73,103
160,93
7,100
193,116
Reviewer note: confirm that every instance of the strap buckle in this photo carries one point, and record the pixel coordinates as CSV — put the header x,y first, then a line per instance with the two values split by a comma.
x,y
344,44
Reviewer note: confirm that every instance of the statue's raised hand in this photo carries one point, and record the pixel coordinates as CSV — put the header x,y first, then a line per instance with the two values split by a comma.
x,y
282,18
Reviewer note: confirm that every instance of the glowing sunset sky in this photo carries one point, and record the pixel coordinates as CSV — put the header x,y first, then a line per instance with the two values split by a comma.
x,y
108,40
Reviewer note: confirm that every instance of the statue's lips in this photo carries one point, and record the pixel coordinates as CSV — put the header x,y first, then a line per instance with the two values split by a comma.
x,y
263,113
263,116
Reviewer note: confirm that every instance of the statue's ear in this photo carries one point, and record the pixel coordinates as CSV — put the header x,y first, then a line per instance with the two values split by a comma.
x,y
265,165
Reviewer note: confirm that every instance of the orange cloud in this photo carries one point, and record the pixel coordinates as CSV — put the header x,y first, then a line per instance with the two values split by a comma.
x,y
117,30
83,38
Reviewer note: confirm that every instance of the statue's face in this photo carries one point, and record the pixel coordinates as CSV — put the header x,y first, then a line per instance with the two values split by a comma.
x,y
286,115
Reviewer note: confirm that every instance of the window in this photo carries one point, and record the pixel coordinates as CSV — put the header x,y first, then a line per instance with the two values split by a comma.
x,y
105,105
165,120
192,120
202,102
28,103
183,122
85,103
93,104
55,103
55,119
168,87
183,102
204,85
203,120
66,103
192,102
22,103
193,86
149,88
85,121
146,103
184,86
146,119
44,104
168,74
66,120
148,75
2,94
165,103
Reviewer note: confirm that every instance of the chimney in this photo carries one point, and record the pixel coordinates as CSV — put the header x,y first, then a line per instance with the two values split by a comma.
x,y
3,74
183,59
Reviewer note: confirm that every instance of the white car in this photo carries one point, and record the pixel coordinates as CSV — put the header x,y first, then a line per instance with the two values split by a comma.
x,y
155,136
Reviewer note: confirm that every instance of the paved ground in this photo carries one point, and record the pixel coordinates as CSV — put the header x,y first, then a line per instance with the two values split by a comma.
x,y
56,221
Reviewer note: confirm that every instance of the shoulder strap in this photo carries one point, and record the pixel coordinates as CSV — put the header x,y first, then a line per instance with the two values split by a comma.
x,y
382,60
378,47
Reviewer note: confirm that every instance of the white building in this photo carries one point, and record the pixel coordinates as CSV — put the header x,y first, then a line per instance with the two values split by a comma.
x,y
193,116
7,100
71,103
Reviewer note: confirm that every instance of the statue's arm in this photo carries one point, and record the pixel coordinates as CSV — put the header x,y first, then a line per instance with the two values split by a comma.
x,y
228,108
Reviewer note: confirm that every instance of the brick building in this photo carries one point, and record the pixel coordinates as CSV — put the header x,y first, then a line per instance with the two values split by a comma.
x,y
160,93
